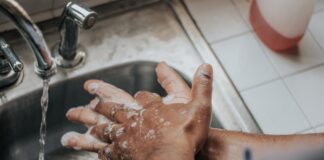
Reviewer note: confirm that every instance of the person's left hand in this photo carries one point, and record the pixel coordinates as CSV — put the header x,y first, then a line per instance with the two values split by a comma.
x,y
145,126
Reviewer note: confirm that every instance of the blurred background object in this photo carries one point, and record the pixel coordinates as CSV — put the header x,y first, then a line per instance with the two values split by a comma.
x,y
283,90
281,24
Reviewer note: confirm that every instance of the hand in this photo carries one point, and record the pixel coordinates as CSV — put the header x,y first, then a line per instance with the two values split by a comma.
x,y
146,126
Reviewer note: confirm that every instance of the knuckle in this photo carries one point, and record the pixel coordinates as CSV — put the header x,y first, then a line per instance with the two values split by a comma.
x,y
99,106
139,94
202,104
167,82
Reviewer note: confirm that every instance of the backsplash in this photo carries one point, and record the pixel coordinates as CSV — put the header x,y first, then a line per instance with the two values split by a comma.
x,y
45,9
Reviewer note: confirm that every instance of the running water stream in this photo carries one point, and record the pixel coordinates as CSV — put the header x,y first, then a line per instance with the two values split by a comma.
x,y
42,130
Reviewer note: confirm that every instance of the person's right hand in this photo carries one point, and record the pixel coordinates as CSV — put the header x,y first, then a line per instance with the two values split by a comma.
x,y
175,127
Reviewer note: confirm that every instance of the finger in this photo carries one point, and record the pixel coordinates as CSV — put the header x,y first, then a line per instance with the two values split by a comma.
x,y
144,98
202,85
79,141
173,83
116,112
93,103
99,133
107,91
85,116
107,132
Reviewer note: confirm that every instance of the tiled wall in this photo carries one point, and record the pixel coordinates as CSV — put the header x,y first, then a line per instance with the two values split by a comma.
x,y
283,91
45,9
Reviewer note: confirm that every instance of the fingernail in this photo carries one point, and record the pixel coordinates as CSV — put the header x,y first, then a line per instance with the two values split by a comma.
x,y
161,64
93,87
205,70
69,111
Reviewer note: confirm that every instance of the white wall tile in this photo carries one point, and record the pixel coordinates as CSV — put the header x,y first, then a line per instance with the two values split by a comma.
x,y
244,61
319,5
274,109
317,28
217,19
320,129
308,90
307,55
244,8
307,131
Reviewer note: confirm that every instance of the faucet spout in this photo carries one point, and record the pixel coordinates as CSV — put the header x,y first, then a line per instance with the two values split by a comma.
x,y
45,66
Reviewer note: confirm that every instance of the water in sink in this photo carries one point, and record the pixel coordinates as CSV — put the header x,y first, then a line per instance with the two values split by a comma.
x,y
42,129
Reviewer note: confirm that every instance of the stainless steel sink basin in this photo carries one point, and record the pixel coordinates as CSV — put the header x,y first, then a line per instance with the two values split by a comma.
x,y
122,49
20,119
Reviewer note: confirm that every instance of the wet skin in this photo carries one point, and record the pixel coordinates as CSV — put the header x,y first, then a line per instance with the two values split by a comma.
x,y
147,126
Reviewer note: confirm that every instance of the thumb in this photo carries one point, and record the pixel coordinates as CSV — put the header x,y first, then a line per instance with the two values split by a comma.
x,y
202,85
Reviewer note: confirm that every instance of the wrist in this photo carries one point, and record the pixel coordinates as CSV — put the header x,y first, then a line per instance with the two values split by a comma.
x,y
171,154
175,151
212,147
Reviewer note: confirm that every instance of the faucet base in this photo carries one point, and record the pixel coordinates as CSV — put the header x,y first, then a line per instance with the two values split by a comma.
x,y
9,79
45,74
64,63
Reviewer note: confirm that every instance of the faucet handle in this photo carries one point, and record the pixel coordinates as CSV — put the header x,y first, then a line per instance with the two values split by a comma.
x,y
10,55
82,15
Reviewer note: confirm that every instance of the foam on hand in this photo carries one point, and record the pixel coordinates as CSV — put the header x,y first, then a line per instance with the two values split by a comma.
x,y
93,87
68,136
168,99
134,105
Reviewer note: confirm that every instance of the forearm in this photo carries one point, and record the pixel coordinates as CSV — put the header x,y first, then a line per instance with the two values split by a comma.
x,y
173,154
227,145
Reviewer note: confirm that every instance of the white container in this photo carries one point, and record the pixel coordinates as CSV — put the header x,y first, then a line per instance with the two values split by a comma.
x,y
280,24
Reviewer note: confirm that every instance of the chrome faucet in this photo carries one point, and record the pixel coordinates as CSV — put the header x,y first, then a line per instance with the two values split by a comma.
x,y
45,66
10,65
67,53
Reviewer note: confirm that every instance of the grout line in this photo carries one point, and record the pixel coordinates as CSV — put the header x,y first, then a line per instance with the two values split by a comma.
x,y
235,35
295,73
312,35
260,84
284,83
302,71
319,125
230,37
240,14
305,130
257,85
271,64
298,105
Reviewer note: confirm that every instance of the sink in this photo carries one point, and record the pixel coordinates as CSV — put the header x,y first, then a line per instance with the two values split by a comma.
x,y
129,46
20,119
